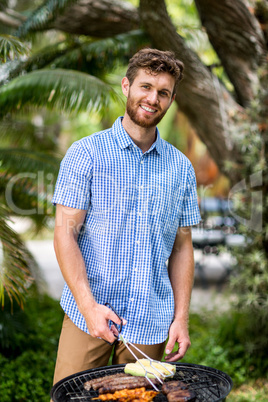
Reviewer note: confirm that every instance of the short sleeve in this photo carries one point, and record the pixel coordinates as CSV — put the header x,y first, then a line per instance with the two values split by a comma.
x,y
74,179
190,210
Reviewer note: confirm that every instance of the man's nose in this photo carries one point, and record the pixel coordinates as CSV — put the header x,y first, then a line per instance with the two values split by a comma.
x,y
153,98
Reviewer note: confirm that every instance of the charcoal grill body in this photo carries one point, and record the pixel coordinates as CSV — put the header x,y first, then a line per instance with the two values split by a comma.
x,y
209,384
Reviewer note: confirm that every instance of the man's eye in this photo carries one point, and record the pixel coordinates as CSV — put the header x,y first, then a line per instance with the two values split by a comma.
x,y
163,93
146,86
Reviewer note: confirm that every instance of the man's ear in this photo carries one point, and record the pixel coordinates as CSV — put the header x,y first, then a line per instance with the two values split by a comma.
x,y
125,86
172,99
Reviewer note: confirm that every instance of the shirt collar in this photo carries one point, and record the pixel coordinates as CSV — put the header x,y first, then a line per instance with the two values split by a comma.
x,y
124,140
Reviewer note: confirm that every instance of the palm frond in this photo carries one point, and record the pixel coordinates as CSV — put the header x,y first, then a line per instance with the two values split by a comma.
x,y
38,132
102,56
42,16
27,181
17,160
29,200
17,263
92,57
11,47
63,90
36,61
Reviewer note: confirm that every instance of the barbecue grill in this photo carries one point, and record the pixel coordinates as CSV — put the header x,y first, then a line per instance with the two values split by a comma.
x,y
209,384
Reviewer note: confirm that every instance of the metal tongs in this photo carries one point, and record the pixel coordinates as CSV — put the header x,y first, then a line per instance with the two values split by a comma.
x,y
129,344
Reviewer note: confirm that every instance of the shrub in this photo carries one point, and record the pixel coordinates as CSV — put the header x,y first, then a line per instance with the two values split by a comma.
x,y
226,342
28,344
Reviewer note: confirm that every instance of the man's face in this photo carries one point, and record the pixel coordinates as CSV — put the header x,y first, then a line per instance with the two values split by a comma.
x,y
149,97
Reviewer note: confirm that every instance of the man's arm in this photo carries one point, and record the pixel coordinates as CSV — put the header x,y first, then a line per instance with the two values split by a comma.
x,y
68,224
181,273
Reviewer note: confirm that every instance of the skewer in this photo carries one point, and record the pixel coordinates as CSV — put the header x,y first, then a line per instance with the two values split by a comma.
x,y
127,343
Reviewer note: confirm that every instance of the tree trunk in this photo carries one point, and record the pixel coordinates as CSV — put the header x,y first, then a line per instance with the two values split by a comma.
x,y
236,36
98,18
202,98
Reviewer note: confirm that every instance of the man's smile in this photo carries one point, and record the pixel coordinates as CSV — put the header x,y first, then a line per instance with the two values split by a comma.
x,y
148,109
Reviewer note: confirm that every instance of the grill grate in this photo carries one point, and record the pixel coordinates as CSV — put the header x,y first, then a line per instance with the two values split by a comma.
x,y
209,384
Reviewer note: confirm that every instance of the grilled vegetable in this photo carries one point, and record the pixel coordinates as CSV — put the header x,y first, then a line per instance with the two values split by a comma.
x,y
153,369
166,368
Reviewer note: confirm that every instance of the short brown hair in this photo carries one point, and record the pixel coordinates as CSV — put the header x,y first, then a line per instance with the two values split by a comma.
x,y
155,61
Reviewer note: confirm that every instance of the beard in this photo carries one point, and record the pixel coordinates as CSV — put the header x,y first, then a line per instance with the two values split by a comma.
x,y
145,122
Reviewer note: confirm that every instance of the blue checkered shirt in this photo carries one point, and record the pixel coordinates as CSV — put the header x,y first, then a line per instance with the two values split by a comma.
x,y
135,203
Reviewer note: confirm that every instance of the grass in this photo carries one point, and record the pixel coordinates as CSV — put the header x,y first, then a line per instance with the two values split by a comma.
x,y
252,391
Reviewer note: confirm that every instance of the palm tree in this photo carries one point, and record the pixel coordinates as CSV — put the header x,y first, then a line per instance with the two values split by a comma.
x,y
68,76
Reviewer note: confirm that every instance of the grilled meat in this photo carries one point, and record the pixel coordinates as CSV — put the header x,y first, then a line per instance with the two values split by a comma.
x,y
176,391
108,381
181,395
126,383
173,385
115,382
128,395
97,382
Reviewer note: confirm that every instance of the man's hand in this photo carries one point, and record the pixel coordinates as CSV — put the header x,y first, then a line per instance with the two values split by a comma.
x,y
178,332
97,320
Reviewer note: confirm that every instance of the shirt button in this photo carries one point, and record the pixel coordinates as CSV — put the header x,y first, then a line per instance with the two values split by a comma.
x,y
139,213
141,187
142,161
137,242
132,299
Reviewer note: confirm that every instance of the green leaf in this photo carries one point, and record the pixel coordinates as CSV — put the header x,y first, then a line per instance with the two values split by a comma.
x,y
63,90
42,16
27,181
11,47
101,56
17,160
17,264
94,57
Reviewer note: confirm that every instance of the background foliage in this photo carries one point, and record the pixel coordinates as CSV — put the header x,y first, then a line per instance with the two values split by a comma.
x,y
28,344
34,139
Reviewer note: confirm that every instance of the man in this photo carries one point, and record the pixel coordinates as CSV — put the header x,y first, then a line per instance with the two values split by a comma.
x,y
125,202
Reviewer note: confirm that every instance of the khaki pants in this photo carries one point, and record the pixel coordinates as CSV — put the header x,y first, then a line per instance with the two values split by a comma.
x,y
79,351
